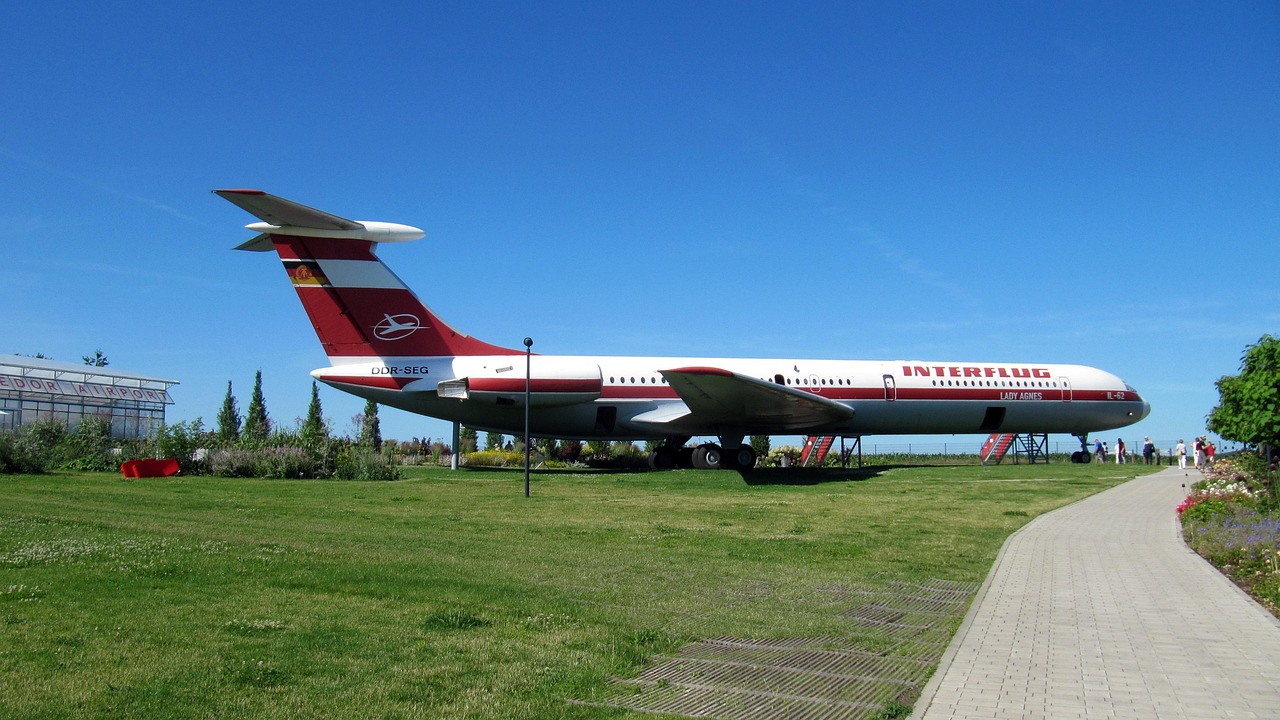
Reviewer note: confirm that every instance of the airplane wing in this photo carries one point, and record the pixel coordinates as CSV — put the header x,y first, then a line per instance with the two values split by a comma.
x,y
715,396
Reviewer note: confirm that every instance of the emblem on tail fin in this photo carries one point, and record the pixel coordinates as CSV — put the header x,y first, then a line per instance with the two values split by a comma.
x,y
305,272
396,327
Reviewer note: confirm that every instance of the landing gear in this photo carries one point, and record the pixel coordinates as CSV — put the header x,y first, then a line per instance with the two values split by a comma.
x,y
1082,456
662,459
708,456
670,455
745,457
714,457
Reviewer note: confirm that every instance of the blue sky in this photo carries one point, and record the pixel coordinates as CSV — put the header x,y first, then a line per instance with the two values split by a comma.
x,y
1093,183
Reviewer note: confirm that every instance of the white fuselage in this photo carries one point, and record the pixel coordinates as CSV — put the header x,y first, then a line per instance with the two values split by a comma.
x,y
602,396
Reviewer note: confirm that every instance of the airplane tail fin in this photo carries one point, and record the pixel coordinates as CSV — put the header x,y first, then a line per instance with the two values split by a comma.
x,y
359,308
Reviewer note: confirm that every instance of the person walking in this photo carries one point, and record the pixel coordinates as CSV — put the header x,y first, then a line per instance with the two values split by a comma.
x,y
1099,451
1120,458
1148,450
1181,452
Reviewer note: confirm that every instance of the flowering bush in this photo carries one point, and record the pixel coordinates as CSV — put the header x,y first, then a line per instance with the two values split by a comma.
x,y
493,458
1226,481
1227,520
279,462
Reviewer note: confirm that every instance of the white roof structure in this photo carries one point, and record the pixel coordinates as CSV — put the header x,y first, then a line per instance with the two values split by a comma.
x,y
32,389
19,373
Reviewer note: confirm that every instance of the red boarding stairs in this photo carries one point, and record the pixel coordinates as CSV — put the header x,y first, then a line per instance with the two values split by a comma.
x,y
816,448
994,449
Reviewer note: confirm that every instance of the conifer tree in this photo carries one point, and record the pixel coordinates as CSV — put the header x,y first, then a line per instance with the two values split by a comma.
x,y
314,430
760,443
370,428
257,424
493,441
228,420
466,440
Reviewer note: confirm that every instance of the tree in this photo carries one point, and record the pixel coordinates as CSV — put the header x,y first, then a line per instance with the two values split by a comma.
x,y
493,441
314,430
257,424
466,440
1249,407
597,448
570,450
370,428
97,359
760,443
228,420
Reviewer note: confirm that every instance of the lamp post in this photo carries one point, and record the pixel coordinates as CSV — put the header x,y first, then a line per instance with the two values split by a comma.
x,y
528,352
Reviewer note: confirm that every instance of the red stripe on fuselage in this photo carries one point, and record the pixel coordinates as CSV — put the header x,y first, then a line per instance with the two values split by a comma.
x,y
548,385
389,383
847,393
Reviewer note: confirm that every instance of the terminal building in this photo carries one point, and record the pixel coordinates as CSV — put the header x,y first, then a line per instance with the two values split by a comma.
x,y
33,389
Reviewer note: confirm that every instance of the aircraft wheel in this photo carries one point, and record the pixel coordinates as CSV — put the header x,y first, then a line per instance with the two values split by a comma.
x,y
1075,457
745,457
708,457
684,458
662,459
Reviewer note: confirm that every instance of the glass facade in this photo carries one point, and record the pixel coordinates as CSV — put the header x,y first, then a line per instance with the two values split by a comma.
x,y
34,389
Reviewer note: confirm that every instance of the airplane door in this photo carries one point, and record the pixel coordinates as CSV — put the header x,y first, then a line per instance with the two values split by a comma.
x,y
890,388
813,384
1066,388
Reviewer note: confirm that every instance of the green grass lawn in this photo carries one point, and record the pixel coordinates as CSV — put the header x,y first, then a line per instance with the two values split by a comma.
x,y
449,594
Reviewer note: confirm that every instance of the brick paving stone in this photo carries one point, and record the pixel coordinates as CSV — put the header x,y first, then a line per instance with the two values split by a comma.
x,y
1099,610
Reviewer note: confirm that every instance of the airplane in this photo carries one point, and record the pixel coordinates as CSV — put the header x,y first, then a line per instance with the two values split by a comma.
x,y
385,345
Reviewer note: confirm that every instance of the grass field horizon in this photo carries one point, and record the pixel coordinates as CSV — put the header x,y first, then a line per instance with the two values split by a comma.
x,y
449,594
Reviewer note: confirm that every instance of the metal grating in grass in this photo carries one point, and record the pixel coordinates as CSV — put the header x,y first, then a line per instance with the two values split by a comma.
x,y
822,678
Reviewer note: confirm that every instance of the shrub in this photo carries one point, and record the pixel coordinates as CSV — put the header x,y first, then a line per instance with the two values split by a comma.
x,y
360,463
620,454
493,458
89,447
286,462
18,455
231,463
570,451
1200,508
775,456
1225,481
33,448
1231,534
278,462
1229,520
182,441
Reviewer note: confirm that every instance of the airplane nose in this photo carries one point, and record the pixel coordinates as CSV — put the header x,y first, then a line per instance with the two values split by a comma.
x,y
1146,410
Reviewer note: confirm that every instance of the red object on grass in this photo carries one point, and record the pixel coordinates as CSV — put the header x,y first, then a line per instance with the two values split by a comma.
x,y
149,468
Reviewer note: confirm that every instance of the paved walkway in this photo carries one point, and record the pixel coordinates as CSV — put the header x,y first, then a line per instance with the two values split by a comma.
x,y
1099,610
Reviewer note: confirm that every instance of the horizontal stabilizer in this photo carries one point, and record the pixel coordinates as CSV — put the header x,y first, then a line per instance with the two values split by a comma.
x,y
278,211
258,243
286,217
